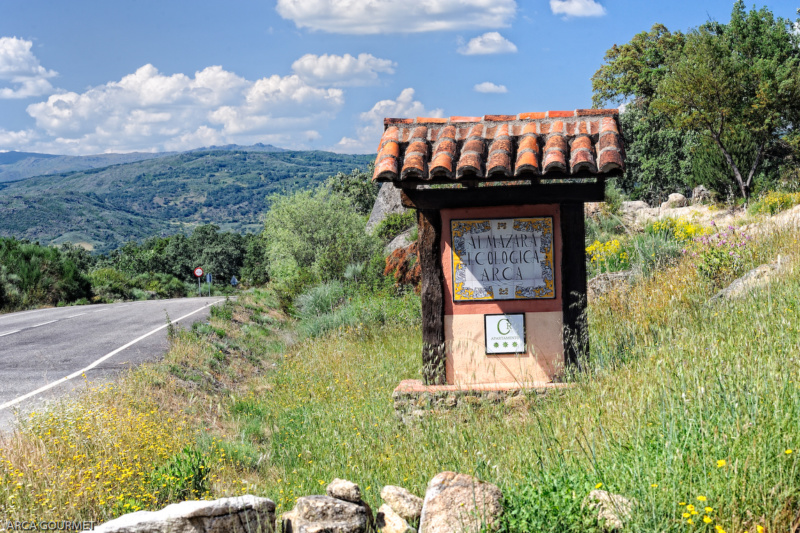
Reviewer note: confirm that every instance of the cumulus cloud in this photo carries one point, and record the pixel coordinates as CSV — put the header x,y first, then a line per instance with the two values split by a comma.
x,y
148,110
16,140
21,75
371,129
577,8
489,87
391,16
488,43
339,71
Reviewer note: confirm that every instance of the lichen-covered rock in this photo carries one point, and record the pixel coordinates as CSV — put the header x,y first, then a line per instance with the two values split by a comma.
x,y
387,203
755,279
244,514
404,503
636,205
675,199
613,510
323,514
342,489
401,241
458,503
701,195
403,264
389,521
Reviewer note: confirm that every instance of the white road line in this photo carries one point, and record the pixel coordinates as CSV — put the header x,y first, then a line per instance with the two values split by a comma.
x,y
8,333
77,373
44,323
79,314
26,312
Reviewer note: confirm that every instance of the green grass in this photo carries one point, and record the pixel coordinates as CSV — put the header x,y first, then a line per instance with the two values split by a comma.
x,y
684,402
676,385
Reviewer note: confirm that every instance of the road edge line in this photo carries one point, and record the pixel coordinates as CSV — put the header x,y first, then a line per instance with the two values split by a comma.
x,y
77,373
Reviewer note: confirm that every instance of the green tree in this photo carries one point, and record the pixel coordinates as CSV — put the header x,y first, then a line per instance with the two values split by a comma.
x,y
313,235
633,71
741,76
658,157
357,186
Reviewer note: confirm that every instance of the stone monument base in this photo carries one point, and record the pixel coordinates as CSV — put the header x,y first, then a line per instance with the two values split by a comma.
x,y
413,400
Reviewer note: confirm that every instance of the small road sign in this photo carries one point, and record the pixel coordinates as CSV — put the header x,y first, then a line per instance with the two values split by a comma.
x,y
234,281
208,277
198,272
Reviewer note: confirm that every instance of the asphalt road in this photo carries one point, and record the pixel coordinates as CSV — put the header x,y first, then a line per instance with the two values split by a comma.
x,y
44,352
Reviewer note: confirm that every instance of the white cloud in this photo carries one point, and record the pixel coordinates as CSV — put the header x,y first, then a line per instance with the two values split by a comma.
x,y
488,43
151,111
577,8
346,70
20,68
392,16
371,129
489,87
16,140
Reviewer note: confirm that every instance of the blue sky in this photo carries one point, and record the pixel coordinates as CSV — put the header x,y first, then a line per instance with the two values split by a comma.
x,y
93,76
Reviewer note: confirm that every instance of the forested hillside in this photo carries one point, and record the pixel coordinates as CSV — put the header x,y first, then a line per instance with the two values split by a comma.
x,y
105,207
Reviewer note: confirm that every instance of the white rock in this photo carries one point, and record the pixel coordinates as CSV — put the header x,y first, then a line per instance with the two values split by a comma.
x,y
458,503
322,514
241,514
344,490
402,502
390,522
613,510
634,206
401,241
387,203
675,200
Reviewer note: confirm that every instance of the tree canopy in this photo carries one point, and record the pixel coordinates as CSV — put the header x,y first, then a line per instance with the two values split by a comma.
x,y
658,156
733,79
634,70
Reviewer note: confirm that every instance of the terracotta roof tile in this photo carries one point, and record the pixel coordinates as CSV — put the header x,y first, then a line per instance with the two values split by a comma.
x,y
499,118
501,147
560,114
465,119
531,116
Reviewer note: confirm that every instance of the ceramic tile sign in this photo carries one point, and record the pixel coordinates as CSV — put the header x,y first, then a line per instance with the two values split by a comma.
x,y
503,259
505,333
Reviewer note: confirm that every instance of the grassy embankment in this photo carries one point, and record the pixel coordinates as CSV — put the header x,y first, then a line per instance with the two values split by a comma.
x,y
689,407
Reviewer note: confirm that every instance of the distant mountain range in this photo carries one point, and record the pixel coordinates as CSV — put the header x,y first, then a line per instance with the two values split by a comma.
x,y
103,201
15,166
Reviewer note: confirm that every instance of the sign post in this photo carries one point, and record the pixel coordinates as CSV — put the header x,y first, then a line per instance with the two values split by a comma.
x,y
198,272
208,280
502,256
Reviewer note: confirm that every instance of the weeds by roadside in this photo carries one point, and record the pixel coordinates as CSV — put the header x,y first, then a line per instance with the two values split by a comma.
x,y
687,407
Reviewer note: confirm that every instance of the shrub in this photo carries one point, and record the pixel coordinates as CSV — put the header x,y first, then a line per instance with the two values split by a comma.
x,y
678,229
395,224
608,256
109,284
320,300
614,199
719,257
184,477
311,236
774,202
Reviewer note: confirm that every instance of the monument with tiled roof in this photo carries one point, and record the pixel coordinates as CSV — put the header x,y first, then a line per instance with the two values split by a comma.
x,y
501,237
